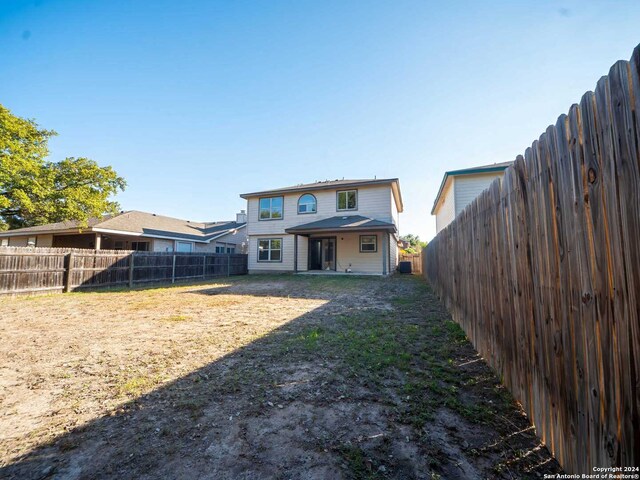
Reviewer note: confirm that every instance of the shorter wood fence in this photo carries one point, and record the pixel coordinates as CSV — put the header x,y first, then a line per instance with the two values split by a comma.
x,y
32,270
415,259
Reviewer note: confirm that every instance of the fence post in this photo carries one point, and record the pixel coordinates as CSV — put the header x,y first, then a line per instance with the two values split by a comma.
x,y
173,269
228,264
204,266
69,267
131,270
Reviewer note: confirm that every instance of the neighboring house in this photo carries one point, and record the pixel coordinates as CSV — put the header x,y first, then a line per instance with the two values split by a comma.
x,y
460,187
134,230
341,225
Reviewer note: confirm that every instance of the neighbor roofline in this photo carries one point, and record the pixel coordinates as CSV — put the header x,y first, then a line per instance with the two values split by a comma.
x,y
20,232
80,231
327,186
461,172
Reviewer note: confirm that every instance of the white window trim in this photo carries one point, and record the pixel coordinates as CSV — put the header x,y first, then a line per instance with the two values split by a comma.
x,y
270,250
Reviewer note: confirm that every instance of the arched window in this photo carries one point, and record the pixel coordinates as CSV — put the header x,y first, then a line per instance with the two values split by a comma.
x,y
307,204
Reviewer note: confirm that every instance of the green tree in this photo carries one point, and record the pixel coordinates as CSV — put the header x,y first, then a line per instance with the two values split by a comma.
x,y
35,191
415,244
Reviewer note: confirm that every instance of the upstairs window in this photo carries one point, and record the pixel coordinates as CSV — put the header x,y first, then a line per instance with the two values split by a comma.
x,y
271,208
348,200
307,204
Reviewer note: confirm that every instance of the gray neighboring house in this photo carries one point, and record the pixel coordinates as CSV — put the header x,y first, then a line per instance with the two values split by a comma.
x,y
135,230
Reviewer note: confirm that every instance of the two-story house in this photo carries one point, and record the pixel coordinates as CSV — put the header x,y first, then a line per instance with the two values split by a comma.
x,y
348,226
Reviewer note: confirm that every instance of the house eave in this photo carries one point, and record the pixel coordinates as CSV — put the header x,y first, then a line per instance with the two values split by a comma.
x,y
328,186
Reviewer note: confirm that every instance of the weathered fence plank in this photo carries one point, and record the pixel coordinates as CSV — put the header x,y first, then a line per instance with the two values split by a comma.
x,y
542,271
24,270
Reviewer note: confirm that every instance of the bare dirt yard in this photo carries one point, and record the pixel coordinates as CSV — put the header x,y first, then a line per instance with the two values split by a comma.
x,y
292,377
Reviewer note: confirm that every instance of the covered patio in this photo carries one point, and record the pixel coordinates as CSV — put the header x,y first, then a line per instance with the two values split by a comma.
x,y
346,244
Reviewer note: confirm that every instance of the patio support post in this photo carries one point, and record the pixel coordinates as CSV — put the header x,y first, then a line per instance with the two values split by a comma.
x,y
384,254
295,253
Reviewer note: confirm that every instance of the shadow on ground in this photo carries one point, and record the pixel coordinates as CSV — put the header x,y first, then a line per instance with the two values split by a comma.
x,y
387,387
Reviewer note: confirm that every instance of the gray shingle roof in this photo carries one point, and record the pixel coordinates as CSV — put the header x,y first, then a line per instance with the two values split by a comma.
x,y
134,221
327,184
343,223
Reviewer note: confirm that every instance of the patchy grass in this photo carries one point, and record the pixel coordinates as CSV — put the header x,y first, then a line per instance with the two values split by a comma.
x,y
415,357
133,387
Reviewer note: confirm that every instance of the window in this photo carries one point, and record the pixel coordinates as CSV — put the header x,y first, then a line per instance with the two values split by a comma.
x,y
231,250
368,243
348,200
270,250
4,242
140,246
307,204
271,208
184,247
219,249
31,242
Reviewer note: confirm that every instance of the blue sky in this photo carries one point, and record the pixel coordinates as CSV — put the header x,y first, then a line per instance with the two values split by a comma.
x,y
195,102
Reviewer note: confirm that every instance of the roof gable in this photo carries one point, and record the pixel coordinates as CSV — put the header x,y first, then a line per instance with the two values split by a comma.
x,y
481,170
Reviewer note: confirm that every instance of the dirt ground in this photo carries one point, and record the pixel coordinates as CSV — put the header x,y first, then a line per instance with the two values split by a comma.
x,y
253,377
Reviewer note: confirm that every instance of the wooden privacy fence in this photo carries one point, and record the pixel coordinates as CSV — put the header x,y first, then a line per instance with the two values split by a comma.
x,y
543,273
415,259
30,270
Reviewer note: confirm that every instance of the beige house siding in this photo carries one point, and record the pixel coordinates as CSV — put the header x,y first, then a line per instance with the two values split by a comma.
x,y
303,254
468,187
373,201
349,255
394,211
445,212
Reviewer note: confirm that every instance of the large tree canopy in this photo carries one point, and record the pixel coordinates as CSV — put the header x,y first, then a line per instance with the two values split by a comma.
x,y
415,244
35,191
